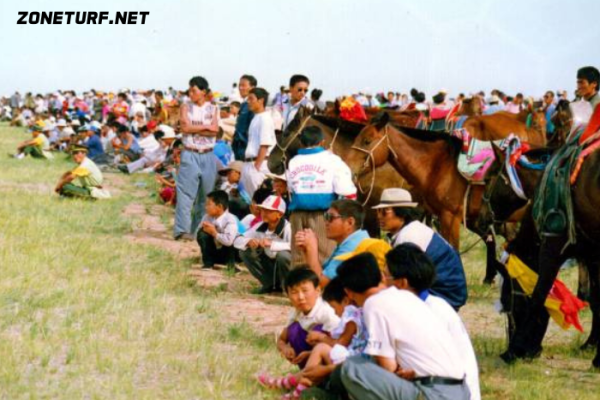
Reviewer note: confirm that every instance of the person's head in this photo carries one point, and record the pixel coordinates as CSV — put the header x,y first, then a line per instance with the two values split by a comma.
x,y
122,130
315,94
410,268
159,96
247,83
588,79
122,96
199,89
233,172
79,153
302,287
311,136
336,296
280,186
298,88
396,209
216,203
549,97
359,276
343,218
257,100
419,97
390,96
518,99
272,210
258,197
234,108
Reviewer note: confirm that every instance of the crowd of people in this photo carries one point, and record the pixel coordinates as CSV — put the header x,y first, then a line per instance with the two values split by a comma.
x,y
372,317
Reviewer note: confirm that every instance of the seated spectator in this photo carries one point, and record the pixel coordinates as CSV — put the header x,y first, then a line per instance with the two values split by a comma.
x,y
310,314
126,145
91,139
152,155
349,338
166,176
280,188
411,269
239,201
399,217
85,181
343,221
255,217
37,147
265,248
412,353
227,122
218,229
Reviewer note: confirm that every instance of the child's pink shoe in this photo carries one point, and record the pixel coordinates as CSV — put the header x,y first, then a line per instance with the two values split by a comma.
x,y
270,382
295,395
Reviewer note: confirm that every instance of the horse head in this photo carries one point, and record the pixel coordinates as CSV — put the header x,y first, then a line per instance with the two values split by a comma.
x,y
288,142
562,120
370,148
538,121
470,106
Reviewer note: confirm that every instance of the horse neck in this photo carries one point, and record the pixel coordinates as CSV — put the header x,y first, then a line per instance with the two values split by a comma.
x,y
408,161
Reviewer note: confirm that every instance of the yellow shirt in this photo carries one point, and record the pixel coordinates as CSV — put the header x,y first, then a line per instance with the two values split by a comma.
x,y
88,173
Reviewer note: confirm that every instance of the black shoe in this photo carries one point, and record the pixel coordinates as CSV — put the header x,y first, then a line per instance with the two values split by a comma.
x,y
123,169
186,237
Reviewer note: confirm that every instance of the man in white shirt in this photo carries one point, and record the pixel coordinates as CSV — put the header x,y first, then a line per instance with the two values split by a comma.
x,y
412,353
265,248
261,140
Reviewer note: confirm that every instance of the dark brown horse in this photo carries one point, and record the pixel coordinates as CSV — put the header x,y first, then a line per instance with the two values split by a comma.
x,y
428,161
562,121
339,136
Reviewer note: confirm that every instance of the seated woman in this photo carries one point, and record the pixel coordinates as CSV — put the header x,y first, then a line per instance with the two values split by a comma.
x,y
37,147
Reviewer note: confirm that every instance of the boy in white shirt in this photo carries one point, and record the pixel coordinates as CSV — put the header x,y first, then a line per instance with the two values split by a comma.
x,y
261,140
411,269
412,353
265,248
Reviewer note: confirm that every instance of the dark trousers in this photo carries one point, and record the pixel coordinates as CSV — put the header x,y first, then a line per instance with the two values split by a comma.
x,y
269,272
212,255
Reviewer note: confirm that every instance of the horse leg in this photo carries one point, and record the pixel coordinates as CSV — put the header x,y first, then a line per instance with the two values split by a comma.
x,y
593,270
528,337
450,228
583,284
491,268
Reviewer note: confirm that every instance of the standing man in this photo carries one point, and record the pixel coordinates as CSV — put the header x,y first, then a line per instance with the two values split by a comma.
x,y
240,136
198,169
298,90
261,140
549,107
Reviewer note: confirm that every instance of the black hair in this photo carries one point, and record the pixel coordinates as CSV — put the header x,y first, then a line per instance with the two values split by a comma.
x,y
316,94
251,80
419,97
158,135
122,95
439,98
414,92
261,93
334,291
200,83
121,129
409,261
360,273
299,275
261,195
298,78
159,93
235,104
219,197
350,208
590,74
408,214
311,136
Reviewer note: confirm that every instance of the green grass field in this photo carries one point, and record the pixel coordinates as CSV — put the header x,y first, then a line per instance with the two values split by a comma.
x,y
86,313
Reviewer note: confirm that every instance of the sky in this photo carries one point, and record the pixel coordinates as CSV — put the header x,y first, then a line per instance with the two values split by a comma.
x,y
343,46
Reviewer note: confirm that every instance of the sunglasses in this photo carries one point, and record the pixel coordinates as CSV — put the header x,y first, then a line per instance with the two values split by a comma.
x,y
330,217
305,90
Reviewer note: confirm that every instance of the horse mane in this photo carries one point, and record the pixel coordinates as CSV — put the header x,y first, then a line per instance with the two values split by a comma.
x,y
540,153
348,127
563,105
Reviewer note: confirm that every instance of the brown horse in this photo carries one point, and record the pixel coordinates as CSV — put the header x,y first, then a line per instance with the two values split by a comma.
x,y
562,121
339,136
470,107
428,161
501,124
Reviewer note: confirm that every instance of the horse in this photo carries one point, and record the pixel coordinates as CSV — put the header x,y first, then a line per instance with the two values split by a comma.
x,y
470,107
428,161
562,120
546,254
501,124
339,136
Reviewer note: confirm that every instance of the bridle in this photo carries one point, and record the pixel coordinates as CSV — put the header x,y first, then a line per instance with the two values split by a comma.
x,y
291,140
372,163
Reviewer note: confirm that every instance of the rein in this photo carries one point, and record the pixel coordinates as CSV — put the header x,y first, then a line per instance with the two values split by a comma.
x,y
373,167
291,140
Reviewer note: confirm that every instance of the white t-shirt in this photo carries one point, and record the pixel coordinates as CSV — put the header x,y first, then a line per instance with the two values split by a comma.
x,y
402,326
260,133
321,313
460,337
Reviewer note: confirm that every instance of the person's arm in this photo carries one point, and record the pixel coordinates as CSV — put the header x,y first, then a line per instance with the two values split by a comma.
x,y
129,142
284,347
307,241
389,364
68,177
229,234
262,154
31,142
186,126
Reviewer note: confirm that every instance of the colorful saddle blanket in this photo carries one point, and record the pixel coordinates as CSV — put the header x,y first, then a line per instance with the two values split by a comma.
x,y
476,156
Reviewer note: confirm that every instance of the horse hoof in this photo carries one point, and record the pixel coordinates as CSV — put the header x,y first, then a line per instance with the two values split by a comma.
x,y
596,362
509,357
488,281
589,345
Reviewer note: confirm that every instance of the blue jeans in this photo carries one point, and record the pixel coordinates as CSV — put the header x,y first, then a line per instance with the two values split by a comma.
x,y
196,178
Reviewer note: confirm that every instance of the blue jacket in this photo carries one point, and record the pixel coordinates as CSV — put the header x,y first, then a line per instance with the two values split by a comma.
x,y
240,136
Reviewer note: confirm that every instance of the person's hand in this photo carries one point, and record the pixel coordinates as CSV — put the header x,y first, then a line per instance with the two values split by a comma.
x,y
301,357
301,240
315,337
256,166
311,243
316,373
57,189
266,243
407,374
289,353
253,243
209,229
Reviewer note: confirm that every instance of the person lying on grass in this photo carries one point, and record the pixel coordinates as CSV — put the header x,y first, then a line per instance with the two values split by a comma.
x,y
349,338
310,314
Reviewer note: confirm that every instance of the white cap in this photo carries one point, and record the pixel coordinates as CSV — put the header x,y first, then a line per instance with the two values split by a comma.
x,y
275,203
